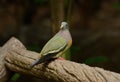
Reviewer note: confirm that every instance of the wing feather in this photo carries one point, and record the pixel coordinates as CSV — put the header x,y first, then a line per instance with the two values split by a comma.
x,y
54,45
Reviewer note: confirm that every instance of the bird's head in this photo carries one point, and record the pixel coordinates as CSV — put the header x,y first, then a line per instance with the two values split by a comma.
x,y
64,25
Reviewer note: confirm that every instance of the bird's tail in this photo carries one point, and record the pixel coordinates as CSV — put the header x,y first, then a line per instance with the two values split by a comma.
x,y
35,63
42,59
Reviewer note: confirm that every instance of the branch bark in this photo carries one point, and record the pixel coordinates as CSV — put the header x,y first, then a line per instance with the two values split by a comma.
x,y
18,59
4,73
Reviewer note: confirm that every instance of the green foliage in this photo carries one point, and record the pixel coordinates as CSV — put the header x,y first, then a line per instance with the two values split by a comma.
x,y
34,48
90,60
15,77
75,49
116,6
98,59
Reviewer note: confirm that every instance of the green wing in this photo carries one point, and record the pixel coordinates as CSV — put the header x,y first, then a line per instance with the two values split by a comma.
x,y
54,45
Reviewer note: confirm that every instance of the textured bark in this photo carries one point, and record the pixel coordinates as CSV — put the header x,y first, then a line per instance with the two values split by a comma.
x,y
12,43
18,59
3,74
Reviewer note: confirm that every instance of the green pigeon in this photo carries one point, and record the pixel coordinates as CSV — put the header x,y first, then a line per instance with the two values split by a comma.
x,y
56,46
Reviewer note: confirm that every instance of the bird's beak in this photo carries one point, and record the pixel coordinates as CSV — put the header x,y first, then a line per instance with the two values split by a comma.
x,y
61,27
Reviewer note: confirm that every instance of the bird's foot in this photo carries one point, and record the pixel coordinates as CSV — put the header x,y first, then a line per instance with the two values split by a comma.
x,y
60,58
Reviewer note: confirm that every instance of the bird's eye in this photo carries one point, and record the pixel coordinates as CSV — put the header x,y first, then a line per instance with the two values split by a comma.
x,y
66,25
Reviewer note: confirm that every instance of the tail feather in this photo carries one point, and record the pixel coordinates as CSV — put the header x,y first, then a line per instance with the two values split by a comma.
x,y
35,63
42,59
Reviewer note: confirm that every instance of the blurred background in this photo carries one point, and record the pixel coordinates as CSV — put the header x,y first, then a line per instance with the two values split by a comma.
x,y
94,26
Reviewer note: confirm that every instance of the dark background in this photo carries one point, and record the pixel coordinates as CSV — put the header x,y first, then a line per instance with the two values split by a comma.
x,y
94,26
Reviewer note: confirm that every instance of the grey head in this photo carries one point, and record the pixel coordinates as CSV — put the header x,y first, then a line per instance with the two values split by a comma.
x,y
64,25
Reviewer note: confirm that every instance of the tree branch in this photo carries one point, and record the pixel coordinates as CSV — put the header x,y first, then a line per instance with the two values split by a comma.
x,y
4,74
19,59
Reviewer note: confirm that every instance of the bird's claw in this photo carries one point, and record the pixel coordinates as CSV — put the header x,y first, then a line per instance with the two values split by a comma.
x,y
60,58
